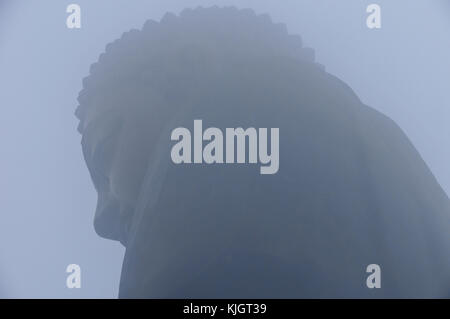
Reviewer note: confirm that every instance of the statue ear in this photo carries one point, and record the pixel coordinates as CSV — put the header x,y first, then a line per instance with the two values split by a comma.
x,y
154,176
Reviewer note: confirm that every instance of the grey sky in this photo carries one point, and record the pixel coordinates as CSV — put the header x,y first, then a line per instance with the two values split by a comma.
x,y
47,200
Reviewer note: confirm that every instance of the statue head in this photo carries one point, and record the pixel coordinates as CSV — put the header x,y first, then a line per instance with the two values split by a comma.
x,y
148,75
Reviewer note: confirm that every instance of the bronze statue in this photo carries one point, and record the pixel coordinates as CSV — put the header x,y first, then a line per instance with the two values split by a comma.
x,y
350,191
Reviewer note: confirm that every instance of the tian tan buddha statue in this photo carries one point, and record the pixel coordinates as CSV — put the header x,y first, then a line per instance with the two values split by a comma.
x,y
350,191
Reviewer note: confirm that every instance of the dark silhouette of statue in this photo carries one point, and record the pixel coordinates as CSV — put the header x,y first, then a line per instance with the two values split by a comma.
x,y
351,189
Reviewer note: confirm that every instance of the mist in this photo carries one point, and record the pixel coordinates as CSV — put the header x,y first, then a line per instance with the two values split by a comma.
x,y
48,202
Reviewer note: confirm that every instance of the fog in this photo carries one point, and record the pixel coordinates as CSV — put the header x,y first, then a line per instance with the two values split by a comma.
x,y
47,199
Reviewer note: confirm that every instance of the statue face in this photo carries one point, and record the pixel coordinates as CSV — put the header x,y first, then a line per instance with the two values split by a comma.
x,y
117,148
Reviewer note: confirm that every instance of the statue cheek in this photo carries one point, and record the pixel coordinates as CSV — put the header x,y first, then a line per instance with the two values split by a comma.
x,y
129,166
126,177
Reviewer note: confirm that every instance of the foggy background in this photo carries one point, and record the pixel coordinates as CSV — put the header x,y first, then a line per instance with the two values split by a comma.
x,y
47,200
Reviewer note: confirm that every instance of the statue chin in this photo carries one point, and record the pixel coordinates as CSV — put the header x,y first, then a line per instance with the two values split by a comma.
x,y
111,218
